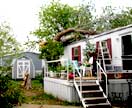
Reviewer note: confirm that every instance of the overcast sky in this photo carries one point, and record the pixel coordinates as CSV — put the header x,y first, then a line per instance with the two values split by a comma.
x,y
22,14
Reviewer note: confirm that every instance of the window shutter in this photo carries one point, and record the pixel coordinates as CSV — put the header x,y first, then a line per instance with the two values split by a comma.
x,y
79,54
109,46
97,47
72,53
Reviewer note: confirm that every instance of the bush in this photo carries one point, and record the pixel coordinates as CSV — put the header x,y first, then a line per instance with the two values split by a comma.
x,y
10,95
39,77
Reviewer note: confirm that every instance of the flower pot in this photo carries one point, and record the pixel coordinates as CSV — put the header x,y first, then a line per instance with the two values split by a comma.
x,y
70,75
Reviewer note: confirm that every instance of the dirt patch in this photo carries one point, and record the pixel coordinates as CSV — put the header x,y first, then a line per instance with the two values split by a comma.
x,y
29,93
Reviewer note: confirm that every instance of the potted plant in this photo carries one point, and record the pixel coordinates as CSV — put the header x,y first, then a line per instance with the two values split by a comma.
x,y
59,69
52,71
70,75
86,63
89,51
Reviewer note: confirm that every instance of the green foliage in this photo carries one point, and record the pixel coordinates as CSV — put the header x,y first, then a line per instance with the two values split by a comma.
x,y
56,67
70,68
111,19
43,96
122,19
56,17
102,23
9,47
60,67
8,44
10,95
52,50
85,18
90,48
39,77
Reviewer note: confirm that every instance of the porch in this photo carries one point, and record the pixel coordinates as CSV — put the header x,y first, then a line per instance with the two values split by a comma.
x,y
114,85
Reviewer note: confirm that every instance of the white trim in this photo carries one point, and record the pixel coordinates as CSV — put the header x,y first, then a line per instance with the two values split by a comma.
x,y
112,31
34,71
23,61
13,77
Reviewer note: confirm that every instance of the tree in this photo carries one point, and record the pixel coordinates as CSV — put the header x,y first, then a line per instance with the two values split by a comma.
x,y
102,22
111,19
57,17
52,50
8,45
122,19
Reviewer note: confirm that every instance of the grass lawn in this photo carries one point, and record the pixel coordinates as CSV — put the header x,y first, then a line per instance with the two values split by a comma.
x,y
36,95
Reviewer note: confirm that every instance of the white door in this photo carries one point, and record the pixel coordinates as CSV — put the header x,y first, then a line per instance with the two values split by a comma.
x,y
22,67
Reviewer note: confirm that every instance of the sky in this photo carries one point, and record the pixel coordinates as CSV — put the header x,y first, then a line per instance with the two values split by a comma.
x,y
22,15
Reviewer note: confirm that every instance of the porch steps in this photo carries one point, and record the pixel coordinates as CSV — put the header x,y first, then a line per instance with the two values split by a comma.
x,y
130,87
86,78
91,95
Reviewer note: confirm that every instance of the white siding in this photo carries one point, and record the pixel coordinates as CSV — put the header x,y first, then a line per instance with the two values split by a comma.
x,y
68,50
62,89
116,40
116,43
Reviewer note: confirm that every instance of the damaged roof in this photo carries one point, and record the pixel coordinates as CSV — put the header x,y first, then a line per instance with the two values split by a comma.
x,y
70,30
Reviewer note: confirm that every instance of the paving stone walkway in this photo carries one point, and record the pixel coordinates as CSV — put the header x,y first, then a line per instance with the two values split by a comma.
x,y
49,106
46,106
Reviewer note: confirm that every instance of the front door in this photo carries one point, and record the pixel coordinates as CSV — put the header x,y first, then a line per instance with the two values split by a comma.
x,y
127,52
22,67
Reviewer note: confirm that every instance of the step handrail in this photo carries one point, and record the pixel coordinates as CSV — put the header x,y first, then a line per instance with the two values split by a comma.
x,y
75,67
99,75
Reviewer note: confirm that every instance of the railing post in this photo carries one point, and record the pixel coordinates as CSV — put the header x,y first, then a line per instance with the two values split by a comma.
x,y
67,66
104,72
97,72
81,85
73,72
106,86
100,71
80,76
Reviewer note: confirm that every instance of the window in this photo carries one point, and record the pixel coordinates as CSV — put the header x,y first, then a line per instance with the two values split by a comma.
x,y
127,45
76,53
22,67
127,52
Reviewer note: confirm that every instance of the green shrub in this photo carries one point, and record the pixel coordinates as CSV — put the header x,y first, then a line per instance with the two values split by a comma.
x,y
10,95
39,77
44,96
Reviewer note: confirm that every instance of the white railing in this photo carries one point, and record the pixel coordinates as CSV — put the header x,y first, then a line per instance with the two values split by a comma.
x,y
99,71
48,73
76,70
